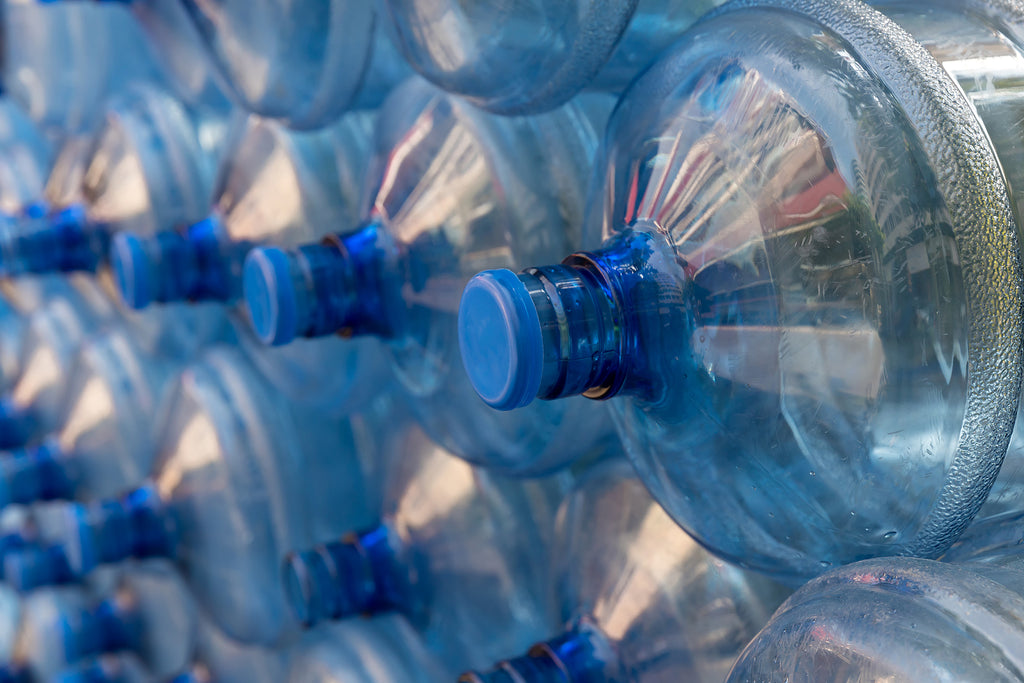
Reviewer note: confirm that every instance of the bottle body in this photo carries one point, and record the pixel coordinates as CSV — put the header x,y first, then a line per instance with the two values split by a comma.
x,y
303,63
772,266
530,57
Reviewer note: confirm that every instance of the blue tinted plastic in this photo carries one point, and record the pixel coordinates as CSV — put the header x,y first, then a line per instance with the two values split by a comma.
x,y
532,56
25,158
453,189
627,577
461,553
383,649
62,61
151,166
304,62
242,476
123,667
896,619
785,307
278,187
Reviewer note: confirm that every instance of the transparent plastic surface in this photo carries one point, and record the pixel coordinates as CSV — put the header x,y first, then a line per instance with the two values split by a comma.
x,y
10,618
25,158
460,552
64,184
383,649
120,667
241,476
896,619
223,660
150,167
304,62
104,442
453,190
641,600
530,55
797,271
274,186
61,61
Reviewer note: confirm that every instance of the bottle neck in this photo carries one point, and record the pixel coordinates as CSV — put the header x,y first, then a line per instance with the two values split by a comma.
x,y
357,575
15,673
33,566
198,264
64,241
36,473
339,286
582,655
112,625
17,424
137,525
565,330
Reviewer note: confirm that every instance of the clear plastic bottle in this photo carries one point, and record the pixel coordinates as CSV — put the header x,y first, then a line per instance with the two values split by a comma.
x,y
150,167
531,56
641,600
62,61
148,612
274,186
453,189
806,247
384,649
104,440
120,667
896,619
461,553
304,62
241,477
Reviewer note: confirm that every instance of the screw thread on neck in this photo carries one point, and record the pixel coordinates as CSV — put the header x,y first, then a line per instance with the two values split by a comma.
x,y
342,579
64,241
36,473
110,626
330,288
555,331
110,531
581,655
193,265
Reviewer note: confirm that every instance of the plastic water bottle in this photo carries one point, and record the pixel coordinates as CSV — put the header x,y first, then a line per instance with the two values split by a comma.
x,y
454,188
304,62
104,440
241,477
149,612
219,659
461,553
48,347
10,618
628,577
896,619
514,58
788,297
279,187
150,167
384,649
61,62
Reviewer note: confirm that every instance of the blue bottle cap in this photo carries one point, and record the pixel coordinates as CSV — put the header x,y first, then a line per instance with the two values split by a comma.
x,y
270,295
500,339
131,266
15,424
79,541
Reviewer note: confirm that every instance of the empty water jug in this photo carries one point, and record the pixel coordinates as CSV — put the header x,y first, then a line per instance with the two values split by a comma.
x,y
274,186
628,577
61,62
896,619
531,56
148,612
241,477
453,189
150,167
305,62
383,649
461,553
805,249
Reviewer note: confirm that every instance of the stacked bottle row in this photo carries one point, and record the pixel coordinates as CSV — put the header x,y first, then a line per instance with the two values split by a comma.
x,y
271,357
